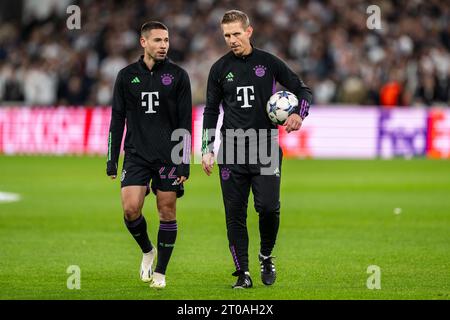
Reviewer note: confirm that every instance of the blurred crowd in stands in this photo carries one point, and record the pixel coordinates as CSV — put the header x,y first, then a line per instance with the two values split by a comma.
x,y
328,43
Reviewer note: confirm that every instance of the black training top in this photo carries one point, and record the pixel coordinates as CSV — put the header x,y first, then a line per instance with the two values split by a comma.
x,y
243,85
153,103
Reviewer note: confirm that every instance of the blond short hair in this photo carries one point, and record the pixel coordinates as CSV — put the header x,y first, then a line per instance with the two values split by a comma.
x,y
236,16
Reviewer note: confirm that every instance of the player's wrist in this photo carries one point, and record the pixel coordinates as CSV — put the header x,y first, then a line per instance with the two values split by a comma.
x,y
206,152
111,169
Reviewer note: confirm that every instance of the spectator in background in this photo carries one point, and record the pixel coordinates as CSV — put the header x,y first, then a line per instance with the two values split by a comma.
x,y
40,84
73,92
102,94
353,91
10,84
324,91
427,91
346,62
394,92
13,90
111,65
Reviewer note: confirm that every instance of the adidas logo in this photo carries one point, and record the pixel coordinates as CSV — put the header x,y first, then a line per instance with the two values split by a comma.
x,y
136,80
276,172
230,77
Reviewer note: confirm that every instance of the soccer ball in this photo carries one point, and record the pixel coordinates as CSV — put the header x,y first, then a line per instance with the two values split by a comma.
x,y
280,106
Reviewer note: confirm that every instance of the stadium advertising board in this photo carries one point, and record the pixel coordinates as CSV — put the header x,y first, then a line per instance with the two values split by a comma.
x,y
329,132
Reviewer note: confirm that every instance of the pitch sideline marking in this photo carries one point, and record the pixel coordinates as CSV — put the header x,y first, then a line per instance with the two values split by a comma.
x,y
6,197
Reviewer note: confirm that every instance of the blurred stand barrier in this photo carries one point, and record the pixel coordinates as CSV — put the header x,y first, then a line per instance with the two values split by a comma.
x,y
329,132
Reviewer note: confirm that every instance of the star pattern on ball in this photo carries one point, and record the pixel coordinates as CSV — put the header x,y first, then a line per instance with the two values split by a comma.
x,y
273,107
284,94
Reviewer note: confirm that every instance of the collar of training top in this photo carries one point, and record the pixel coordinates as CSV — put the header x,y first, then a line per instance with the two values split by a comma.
x,y
246,56
156,66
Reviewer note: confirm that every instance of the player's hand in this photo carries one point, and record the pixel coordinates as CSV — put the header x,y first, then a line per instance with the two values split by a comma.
x,y
208,163
113,177
293,123
181,179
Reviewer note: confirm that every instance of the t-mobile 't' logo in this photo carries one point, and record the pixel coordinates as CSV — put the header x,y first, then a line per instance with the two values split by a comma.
x,y
148,101
246,95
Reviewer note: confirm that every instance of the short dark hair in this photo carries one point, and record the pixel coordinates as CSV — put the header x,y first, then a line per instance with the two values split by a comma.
x,y
150,25
236,16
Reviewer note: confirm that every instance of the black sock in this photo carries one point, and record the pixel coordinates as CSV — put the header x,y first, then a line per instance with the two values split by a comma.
x,y
166,241
138,229
268,230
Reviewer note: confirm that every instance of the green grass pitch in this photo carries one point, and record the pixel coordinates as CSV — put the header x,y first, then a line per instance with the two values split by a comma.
x,y
337,219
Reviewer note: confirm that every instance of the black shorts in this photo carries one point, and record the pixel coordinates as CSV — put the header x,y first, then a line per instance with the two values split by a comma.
x,y
137,171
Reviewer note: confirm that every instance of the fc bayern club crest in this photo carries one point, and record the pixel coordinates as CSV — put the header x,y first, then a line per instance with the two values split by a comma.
x,y
260,70
225,173
166,79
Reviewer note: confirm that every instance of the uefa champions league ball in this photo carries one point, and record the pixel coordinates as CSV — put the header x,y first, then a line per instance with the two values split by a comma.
x,y
280,105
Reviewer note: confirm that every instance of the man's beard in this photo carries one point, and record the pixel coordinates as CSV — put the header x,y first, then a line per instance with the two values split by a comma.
x,y
156,58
